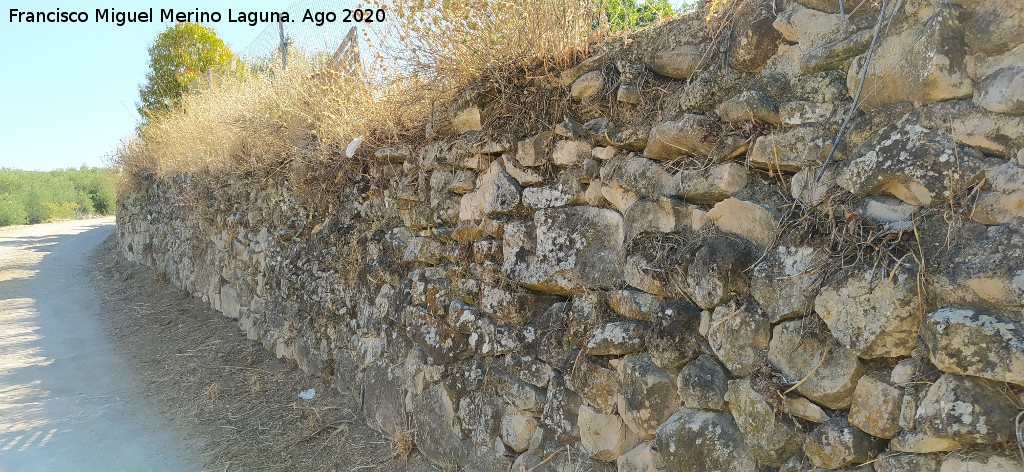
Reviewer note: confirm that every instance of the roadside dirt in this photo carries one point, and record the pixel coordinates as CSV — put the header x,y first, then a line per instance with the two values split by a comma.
x,y
231,396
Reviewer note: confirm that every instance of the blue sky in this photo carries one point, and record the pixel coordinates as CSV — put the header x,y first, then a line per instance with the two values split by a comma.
x,y
68,90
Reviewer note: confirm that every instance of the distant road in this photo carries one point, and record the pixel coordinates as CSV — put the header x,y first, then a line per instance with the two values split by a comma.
x,y
68,401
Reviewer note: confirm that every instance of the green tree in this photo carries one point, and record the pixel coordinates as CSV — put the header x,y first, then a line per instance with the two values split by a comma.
x,y
179,55
626,14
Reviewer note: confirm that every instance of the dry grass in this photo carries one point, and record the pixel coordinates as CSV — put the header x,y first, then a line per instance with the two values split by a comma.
x,y
262,118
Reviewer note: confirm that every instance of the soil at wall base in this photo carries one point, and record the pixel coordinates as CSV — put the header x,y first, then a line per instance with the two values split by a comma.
x,y
228,392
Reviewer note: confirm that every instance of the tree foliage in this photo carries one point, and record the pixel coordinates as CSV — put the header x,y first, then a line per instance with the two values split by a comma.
x,y
179,55
626,14
28,197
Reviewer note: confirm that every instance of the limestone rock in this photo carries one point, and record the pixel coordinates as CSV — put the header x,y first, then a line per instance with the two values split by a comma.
x,y
922,63
526,176
967,411
703,384
512,308
519,394
772,439
917,442
872,314
517,430
836,443
577,247
703,440
641,458
604,437
570,153
754,39
746,219
437,434
561,410
587,86
716,273
481,416
909,162
739,336
650,216
617,338
806,188
784,282
466,119
679,63
595,384
974,462
801,407
1002,92
889,211
907,463
533,151
749,105
496,193
633,304
688,135
876,407
645,177
384,398
994,208
979,344
561,193
795,351
986,271
993,29
712,185
673,339
993,133
647,395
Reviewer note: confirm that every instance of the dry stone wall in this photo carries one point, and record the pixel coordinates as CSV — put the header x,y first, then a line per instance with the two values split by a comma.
x,y
657,280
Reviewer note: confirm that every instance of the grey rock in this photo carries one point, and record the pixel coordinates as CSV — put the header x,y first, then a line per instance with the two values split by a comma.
x,y
897,462
519,394
923,63
533,151
876,407
561,409
703,440
479,415
909,162
836,443
785,281
716,273
985,271
755,40
688,135
973,343
873,314
641,458
918,442
617,338
577,248
993,29
587,86
711,185
673,339
748,105
796,350
1002,92
605,437
986,462
633,304
496,193
703,384
679,63
646,177
739,336
772,439
384,398
438,437
967,411
647,395
596,385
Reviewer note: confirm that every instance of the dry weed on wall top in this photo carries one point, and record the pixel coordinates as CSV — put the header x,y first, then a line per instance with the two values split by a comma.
x,y
267,117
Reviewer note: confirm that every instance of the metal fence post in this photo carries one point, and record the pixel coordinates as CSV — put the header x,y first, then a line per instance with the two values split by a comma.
x,y
284,45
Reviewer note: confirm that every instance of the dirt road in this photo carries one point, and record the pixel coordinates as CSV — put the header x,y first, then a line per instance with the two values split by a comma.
x,y
69,400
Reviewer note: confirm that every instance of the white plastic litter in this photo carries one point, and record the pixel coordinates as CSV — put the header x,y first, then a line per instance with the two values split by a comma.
x,y
308,394
352,147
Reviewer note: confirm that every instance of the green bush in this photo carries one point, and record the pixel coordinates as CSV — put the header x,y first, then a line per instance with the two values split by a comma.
x,y
28,197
